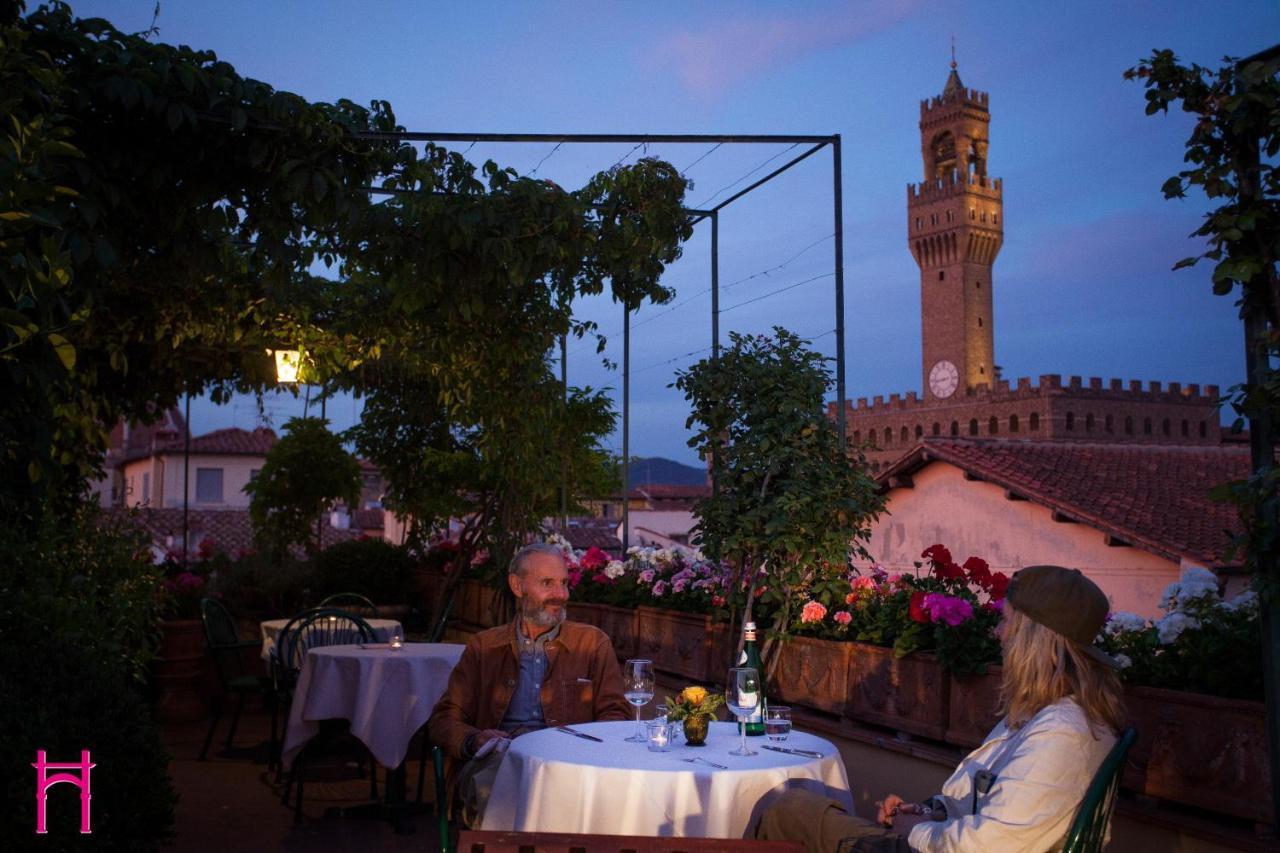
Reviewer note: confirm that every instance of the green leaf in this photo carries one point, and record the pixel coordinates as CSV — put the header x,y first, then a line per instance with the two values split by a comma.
x,y
65,351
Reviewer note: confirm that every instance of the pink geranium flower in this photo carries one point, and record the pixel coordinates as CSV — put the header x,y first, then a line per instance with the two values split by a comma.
x,y
843,617
813,611
946,608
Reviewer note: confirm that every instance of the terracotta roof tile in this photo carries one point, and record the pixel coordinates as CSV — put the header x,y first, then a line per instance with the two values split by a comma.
x,y
1153,497
230,530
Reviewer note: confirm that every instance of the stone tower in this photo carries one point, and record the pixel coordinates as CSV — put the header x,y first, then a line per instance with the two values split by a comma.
x,y
955,230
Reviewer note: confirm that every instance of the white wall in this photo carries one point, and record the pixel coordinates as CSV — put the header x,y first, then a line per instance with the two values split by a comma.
x,y
973,518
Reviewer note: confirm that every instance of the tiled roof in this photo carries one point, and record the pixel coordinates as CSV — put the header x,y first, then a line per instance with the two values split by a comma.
x,y
232,441
230,530
673,491
1154,498
593,536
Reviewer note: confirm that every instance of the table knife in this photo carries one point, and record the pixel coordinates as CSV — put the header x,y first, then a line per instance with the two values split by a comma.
x,y
570,731
808,753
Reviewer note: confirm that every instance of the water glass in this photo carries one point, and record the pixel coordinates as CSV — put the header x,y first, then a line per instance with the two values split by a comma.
x,y
658,734
637,687
777,723
742,697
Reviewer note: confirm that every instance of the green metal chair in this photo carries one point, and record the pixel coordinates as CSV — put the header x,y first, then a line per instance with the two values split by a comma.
x,y
442,799
1089,828
352,601
226,649
322,626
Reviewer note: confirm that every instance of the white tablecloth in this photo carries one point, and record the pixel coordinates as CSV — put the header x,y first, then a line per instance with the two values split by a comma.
x,y
271,629
550,781
386,694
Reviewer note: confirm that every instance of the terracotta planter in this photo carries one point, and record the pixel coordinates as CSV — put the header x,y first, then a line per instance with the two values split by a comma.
x,y
972,713
685,644
479,605
909,694
814,673
1200,750
177,670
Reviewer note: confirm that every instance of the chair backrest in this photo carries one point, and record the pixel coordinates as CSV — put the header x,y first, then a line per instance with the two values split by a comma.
x,y
1089,829
322,626
223,641
479,841
352,601
284,677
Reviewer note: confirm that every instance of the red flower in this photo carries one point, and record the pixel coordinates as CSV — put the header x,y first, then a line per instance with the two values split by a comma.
x,y
918,613
594,559
937,553
601,578
978,571
999,585
718,601
948,571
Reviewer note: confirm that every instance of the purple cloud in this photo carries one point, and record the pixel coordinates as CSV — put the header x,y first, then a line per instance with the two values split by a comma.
x,y
712,60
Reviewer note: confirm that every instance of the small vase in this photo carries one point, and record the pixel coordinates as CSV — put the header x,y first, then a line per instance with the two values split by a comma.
x,y
695,729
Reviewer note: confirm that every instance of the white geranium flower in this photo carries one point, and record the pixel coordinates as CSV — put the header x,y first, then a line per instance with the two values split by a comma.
x,y
1197,576
1171,627
1124,661
1123,622
1247,600
614,570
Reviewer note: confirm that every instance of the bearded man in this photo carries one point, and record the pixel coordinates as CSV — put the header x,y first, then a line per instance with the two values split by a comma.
x,y
538,671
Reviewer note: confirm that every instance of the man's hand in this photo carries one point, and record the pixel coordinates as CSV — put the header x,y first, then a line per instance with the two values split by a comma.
x,y
887,809
485,735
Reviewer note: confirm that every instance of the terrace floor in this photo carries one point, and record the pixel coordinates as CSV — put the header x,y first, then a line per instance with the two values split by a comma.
x,y
232,803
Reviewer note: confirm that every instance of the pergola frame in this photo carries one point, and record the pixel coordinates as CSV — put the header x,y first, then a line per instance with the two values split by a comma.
x,y
817,143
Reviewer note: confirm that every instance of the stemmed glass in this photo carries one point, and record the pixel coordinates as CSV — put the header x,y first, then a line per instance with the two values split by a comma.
x,y
637,686
742,697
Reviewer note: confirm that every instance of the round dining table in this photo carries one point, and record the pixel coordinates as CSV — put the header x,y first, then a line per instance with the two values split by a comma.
x,y
386,694
554,781
271,629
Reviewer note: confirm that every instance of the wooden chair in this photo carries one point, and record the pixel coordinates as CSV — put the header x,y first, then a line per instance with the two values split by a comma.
x,y
1090,825
227,650
475,841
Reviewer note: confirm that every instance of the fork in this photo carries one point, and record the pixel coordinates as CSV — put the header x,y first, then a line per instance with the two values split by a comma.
x,y
695,760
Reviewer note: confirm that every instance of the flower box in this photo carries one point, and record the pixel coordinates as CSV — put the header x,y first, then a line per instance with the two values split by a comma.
x,y
478,605
813,673
620,624
972,711
909,694
685,644
178,671
1200,750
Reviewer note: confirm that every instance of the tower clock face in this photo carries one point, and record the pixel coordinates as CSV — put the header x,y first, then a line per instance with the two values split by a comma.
x,y
943,379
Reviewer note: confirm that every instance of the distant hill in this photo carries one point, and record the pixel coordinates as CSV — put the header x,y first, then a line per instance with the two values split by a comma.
x,y
655,469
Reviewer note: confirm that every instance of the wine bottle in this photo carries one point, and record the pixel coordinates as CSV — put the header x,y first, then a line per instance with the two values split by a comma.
x,y
751,657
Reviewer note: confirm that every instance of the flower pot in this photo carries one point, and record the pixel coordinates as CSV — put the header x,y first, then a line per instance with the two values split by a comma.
x,y
695,729
683,644
972,713
1204,751
177,671
909,694
813,672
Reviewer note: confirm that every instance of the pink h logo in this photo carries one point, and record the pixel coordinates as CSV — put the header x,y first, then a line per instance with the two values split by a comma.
x,y
44,780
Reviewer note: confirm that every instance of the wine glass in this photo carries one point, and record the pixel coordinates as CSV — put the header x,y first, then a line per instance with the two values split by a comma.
x,y
742,697
637,687
777,723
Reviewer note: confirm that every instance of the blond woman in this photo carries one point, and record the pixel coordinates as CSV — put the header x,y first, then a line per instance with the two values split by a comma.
x,y
1020,790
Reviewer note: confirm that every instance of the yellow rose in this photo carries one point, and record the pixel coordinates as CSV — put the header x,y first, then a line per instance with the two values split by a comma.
x,y
694,695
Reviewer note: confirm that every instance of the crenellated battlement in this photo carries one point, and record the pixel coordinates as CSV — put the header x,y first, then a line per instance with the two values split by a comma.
x,y
1050,385
960,96
936,190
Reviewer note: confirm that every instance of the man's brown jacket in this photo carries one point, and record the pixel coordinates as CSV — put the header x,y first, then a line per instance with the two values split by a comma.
x,y
582,683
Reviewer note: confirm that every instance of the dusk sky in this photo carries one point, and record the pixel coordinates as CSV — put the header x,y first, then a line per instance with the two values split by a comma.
x,y
1083,285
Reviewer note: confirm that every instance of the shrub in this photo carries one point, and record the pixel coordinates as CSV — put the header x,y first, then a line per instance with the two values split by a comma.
x,y
70,701
372,567
78,627
254,586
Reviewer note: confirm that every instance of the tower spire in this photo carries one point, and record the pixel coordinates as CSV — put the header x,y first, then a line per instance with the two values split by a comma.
x,y
953,52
